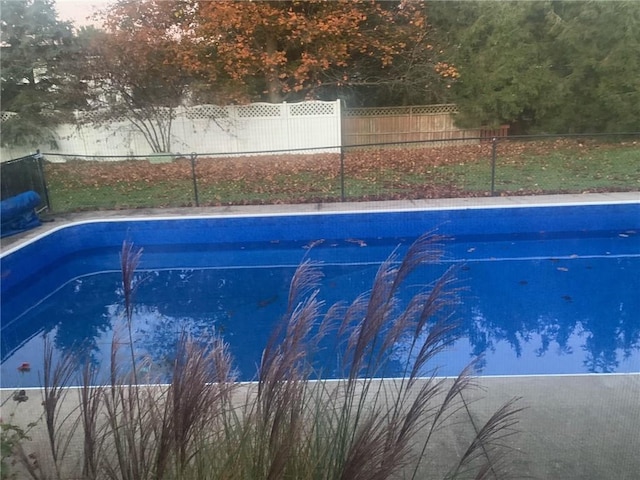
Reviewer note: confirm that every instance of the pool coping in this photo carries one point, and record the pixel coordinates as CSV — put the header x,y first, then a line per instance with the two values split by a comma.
x,y
54,221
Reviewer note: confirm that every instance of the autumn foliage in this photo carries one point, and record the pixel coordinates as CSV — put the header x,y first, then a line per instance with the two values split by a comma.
x,y
141,52
298,46
156,55
274,50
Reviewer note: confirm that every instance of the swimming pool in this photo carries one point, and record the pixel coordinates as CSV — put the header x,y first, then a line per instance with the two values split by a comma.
x,y
549,289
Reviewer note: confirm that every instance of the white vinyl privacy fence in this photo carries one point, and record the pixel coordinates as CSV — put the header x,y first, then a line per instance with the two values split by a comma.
x,y
257,127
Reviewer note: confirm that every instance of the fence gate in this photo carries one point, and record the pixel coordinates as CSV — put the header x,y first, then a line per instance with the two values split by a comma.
x,y
23,174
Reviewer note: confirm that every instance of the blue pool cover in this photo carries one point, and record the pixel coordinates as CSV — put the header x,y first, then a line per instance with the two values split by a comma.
x,y
18,213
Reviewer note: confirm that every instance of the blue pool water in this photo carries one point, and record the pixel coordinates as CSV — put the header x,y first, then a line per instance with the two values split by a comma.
x,y
547,290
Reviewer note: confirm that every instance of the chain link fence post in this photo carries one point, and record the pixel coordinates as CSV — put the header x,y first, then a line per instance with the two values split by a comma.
x,y
193,157
342,192
45,188
494,145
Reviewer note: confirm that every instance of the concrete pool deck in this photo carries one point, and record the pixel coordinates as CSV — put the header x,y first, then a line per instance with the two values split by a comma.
x,y
573,427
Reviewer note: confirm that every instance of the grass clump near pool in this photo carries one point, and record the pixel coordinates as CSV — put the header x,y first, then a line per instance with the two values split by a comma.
x,y
534,167
290,423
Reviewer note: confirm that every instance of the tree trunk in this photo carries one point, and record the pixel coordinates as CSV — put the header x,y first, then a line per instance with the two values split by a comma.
x,y
271,77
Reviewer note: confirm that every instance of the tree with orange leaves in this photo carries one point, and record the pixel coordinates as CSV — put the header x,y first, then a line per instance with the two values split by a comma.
x,y
135,69
157,52
290,50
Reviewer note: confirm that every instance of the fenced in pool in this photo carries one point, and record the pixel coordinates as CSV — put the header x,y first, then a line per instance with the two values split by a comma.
x,y
547,289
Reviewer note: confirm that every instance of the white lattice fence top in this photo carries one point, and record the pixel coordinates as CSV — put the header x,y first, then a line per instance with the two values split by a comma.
x,y
96,116
165,113
258,110
312,108
412,110
198,112
102,116
203,112
4,116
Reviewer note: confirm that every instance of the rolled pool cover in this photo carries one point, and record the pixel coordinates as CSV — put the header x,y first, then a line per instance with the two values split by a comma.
x,y
18,213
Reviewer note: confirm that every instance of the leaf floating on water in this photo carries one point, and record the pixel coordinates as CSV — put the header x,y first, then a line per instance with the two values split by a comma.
x,y
563,269
267,301
357,241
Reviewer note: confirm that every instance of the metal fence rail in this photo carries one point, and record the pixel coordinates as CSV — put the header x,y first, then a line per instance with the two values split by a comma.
x,y
513,165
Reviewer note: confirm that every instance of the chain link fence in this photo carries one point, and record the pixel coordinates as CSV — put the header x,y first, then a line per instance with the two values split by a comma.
x,y
24,174
470,167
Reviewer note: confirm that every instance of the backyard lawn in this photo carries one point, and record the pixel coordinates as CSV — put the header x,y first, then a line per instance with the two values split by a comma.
x,y
541,167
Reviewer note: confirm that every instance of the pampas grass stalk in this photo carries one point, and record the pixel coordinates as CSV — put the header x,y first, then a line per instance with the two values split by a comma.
x,y
56,377
90,403
291,422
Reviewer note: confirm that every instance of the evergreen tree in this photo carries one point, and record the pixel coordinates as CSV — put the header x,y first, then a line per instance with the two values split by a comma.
x,y
597,57
545,66
36,46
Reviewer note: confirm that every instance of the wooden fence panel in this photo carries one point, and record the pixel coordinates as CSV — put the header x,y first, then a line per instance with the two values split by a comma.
x,y
362,126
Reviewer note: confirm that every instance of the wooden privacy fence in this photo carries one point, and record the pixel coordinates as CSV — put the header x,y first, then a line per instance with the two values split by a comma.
x,y
364,126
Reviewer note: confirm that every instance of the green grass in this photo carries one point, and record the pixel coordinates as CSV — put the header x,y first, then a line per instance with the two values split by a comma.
x,y
295,187
115,197
602,169
568,170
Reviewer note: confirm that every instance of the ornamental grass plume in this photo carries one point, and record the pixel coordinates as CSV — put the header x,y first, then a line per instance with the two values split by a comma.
x,y
292,422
